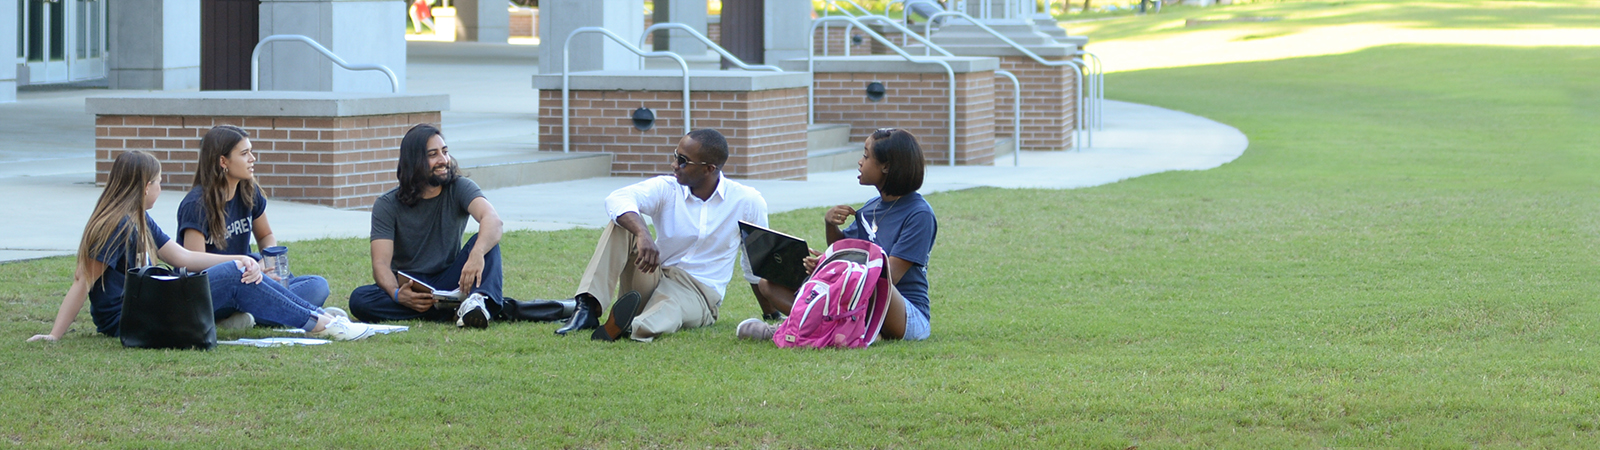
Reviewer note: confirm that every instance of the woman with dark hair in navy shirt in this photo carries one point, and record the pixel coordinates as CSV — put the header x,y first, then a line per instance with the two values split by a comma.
x,y
226,202
898,220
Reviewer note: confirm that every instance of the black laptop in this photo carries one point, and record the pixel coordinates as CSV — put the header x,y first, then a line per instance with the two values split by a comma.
x,y
778,257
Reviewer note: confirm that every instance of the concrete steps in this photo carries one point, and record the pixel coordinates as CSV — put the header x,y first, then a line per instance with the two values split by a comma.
x,y
517,169
828,148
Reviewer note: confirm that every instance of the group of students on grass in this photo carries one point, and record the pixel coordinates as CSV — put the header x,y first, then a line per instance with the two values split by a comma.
x,y
672,281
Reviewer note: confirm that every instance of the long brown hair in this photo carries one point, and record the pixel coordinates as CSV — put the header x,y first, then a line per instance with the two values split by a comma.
x,y
213,181
122,200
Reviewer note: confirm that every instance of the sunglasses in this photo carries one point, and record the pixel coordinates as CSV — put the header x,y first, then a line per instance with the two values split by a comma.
x,y
883,133
684,160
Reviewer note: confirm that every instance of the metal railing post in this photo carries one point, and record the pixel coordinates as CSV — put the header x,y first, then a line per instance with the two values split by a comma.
x,y
1016,117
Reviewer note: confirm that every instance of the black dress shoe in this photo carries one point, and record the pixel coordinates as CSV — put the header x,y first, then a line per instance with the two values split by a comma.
x,y
586,315
620,322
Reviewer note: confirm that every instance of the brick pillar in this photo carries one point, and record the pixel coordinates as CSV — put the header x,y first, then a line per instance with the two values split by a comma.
x,y
1048,107
917,99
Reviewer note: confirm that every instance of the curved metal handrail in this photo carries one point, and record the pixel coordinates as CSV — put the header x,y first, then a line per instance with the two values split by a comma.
x,y
1016,117
703,39
1082,120
906,32
1098,88
905,6
811,112
847,28
255,60
566,70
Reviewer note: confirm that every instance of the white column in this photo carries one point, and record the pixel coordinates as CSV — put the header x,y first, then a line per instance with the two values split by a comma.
x,y
693,14
786,25
590,51
483,20
359,31
155,44
8,52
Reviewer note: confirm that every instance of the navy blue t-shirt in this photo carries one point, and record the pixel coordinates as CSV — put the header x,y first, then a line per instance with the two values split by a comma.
x,y
237,223
105,295
905,229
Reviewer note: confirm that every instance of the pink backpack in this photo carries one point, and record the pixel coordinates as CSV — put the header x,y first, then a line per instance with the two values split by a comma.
x,y
843,303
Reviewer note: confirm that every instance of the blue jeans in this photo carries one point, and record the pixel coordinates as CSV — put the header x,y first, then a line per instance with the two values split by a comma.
x,y
269,301
371,304
310,288
917,326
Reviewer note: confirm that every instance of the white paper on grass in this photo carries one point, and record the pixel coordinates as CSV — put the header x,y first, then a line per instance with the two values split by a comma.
x,y
275,342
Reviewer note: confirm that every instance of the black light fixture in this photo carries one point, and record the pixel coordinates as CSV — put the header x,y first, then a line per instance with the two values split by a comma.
x,y
644,119
856,39
875,91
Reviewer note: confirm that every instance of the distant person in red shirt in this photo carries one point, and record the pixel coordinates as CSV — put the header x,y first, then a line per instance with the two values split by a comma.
x,y
421,14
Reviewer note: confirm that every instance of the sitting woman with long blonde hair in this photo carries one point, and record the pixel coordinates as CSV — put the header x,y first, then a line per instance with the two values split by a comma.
x,y
121,235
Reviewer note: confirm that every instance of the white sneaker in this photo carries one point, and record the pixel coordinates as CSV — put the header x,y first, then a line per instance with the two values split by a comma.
x,y
756,329
237,321
472,312
336,312
342,329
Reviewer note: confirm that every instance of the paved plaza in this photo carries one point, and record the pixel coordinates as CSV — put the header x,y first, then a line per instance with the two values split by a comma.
x,y
47,158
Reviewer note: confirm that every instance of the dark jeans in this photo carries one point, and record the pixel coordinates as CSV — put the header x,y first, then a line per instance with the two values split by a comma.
x,y
371,304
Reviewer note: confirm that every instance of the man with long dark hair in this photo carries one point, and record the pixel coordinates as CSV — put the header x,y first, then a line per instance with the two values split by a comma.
x,y
416,242
675,280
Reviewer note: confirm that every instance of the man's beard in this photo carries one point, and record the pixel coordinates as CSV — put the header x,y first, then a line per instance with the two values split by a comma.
x,y
437,180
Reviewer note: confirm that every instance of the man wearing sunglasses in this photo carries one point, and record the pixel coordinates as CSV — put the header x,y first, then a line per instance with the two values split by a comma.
x,y
677,279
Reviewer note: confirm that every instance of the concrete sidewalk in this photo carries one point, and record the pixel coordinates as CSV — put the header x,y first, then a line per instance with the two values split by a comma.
x,y
46,162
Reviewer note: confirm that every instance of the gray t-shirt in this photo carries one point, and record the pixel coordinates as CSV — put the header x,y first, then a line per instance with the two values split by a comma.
x,y
427,235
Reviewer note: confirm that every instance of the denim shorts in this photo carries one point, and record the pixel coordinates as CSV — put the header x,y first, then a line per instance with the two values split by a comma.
x,y
917,327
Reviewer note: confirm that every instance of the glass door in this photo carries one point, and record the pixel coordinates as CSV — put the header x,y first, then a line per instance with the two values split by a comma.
x,y
63,40
88,44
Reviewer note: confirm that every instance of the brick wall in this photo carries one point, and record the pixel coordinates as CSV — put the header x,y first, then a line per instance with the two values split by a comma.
x,y
1048,103
766,130
915,102
524,23
833,39
342,162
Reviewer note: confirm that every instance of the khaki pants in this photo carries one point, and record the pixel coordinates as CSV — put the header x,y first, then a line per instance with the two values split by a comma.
x,y
673,299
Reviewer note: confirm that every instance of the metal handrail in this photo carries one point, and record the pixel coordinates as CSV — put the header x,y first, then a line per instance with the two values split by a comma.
x,y
255,60
1016,117
811,111
905,7
847,28
566,69
929,46
712,45
1082,121
1098,88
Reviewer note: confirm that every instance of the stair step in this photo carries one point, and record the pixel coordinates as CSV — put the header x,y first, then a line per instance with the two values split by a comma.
x,y
832,159
827,135
518,169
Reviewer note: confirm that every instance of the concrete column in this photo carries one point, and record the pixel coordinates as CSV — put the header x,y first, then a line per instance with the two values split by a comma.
x,y
557,18
155,44
359,31
786,25
483,20
8,53
687,12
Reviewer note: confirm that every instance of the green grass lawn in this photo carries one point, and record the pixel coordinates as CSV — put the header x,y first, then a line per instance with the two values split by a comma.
x,y
1404,257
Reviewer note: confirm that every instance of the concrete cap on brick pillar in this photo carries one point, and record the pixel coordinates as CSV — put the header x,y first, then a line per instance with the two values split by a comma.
x,y
891,64
672,80
266,104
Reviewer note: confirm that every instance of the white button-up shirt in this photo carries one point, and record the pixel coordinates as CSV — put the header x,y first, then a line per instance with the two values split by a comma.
x,y
699,237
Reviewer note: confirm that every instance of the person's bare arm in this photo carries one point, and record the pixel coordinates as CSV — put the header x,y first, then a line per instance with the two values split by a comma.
x,y
193,240
263,232
406,294
898,268
649,257
177,255
86,274
833,218
490,228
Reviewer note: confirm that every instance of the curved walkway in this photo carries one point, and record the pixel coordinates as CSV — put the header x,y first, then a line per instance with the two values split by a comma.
x,y
46,209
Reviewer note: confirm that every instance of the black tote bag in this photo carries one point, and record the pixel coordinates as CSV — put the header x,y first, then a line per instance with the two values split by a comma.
x,y
165,308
